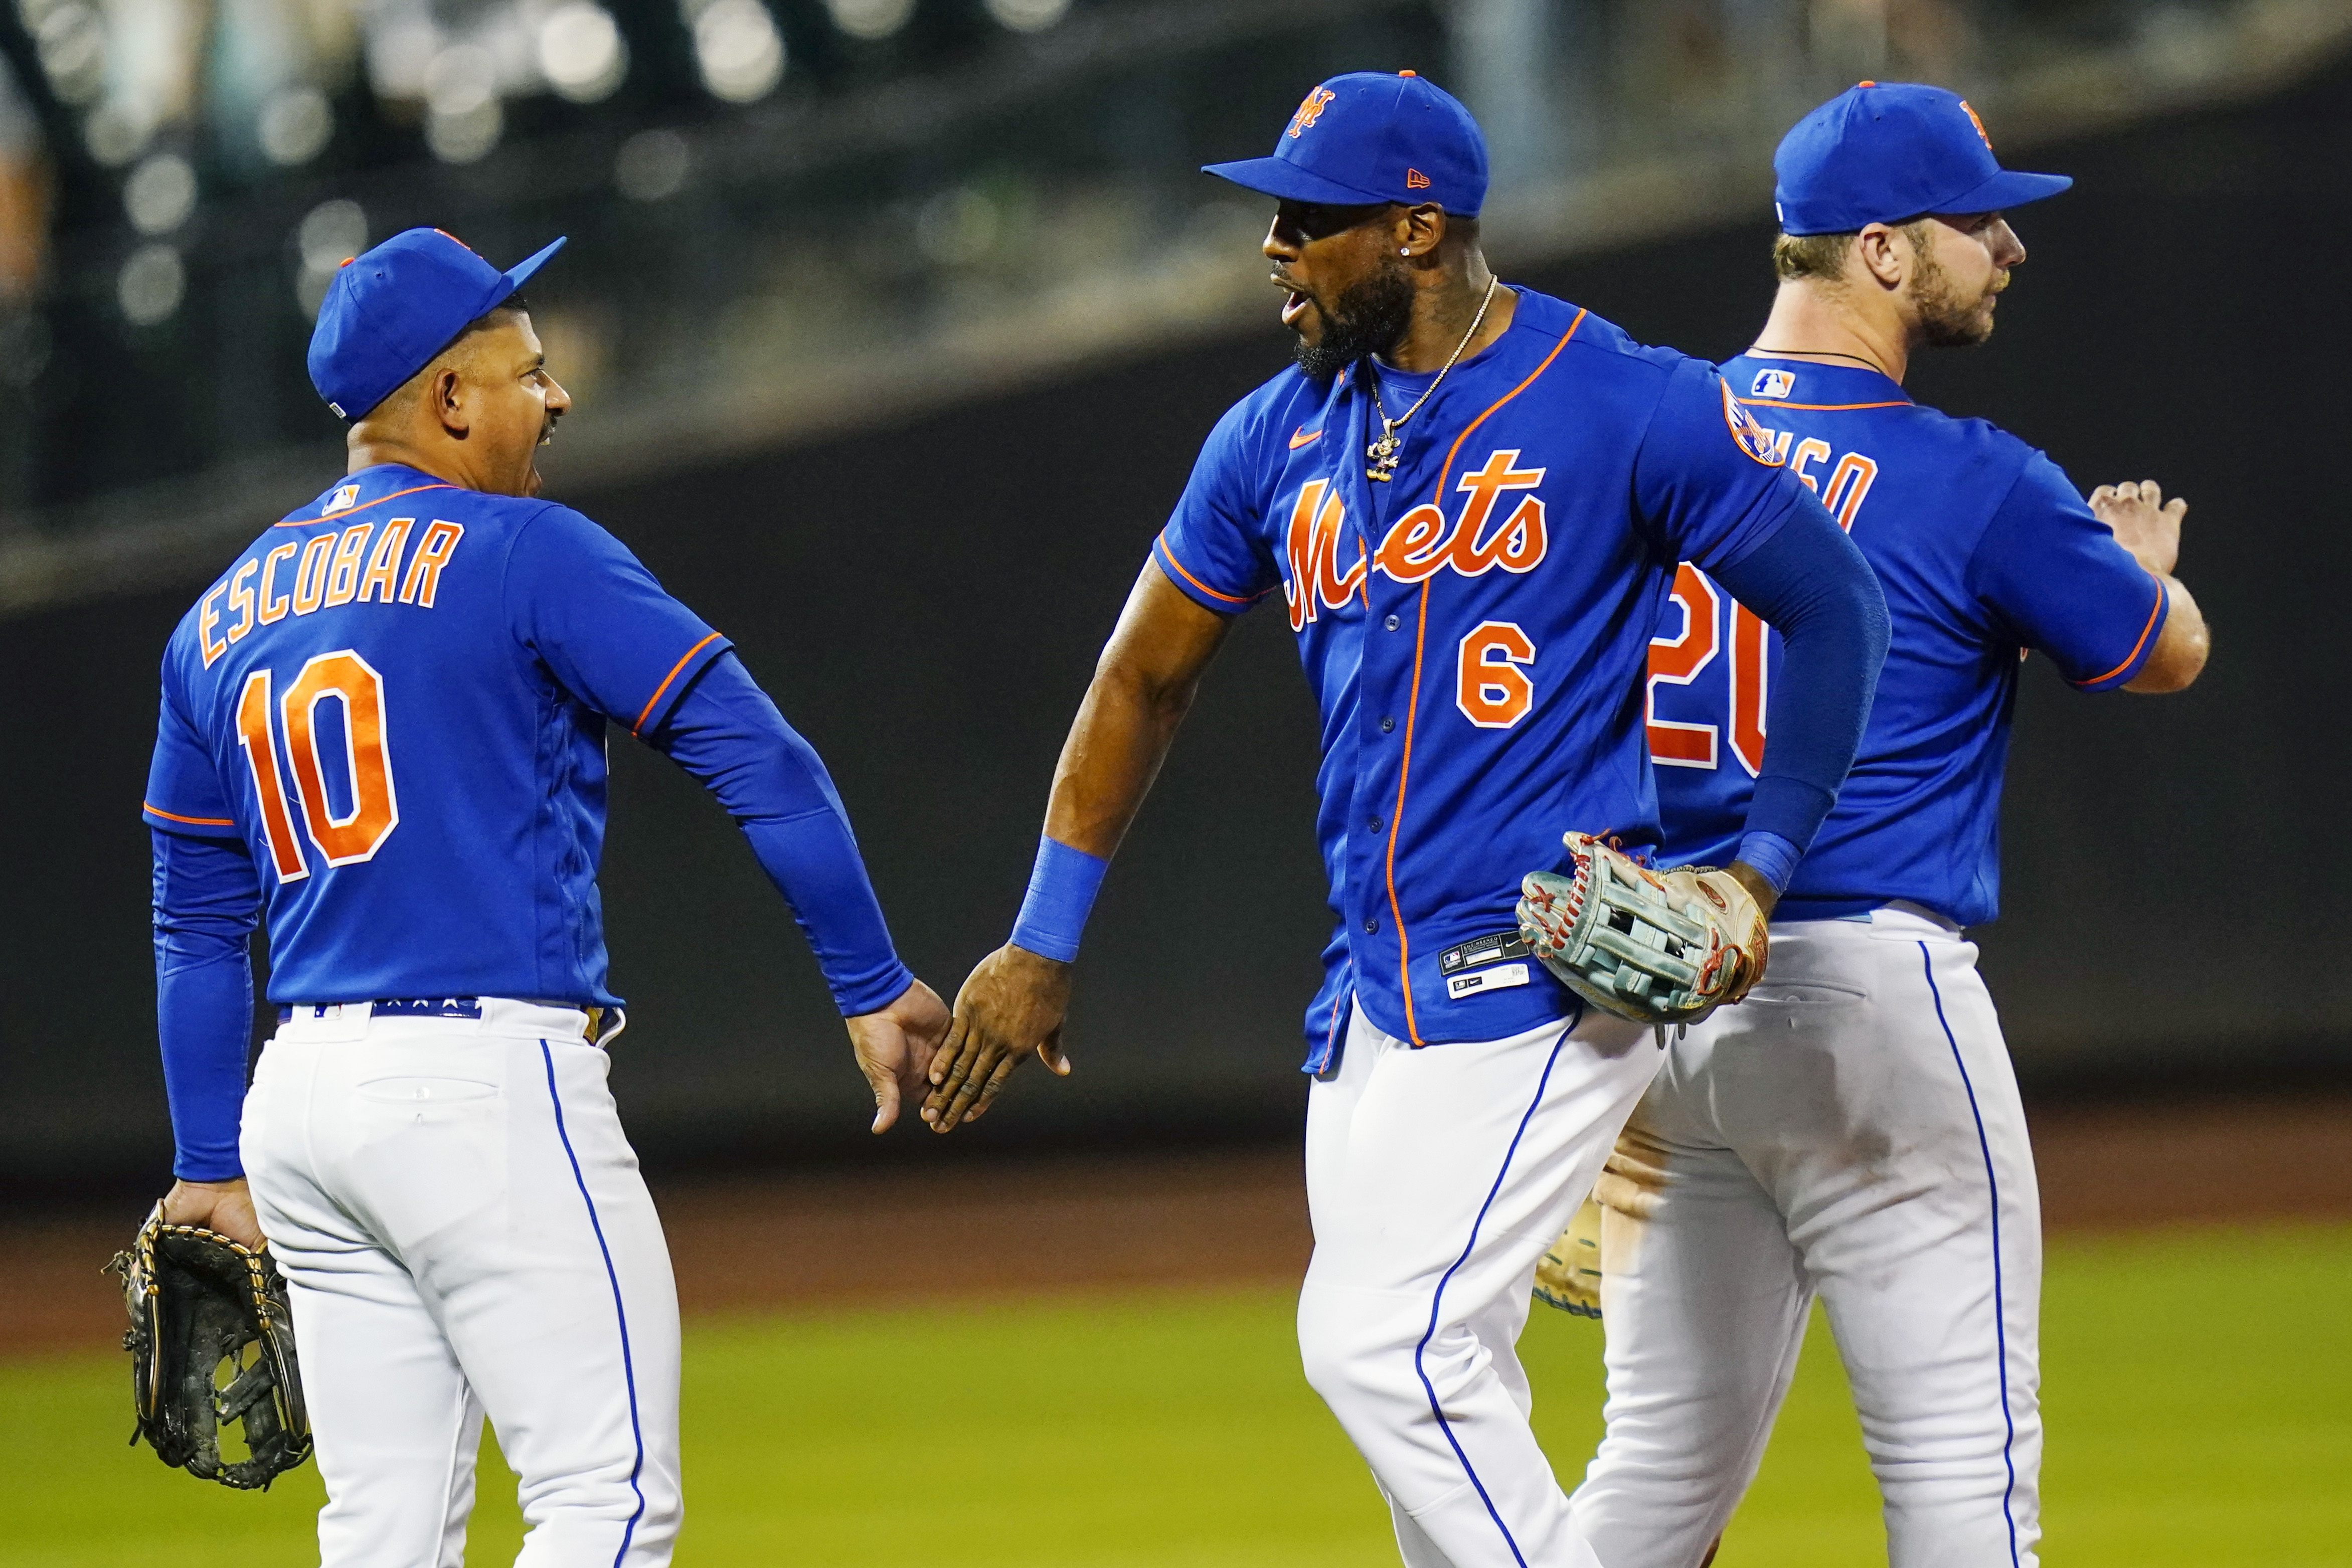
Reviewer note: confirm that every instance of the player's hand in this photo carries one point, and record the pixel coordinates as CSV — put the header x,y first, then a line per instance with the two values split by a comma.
x,y
2143,522
1013,1003
1759,887
225,1207
893,1048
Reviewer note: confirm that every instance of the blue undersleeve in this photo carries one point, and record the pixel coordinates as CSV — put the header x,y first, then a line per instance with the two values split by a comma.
x,y
207,899
728,735
1811,585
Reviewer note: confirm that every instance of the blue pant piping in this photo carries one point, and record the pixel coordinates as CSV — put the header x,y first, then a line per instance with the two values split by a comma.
x,y
1438,1301
2000,1298
629,1362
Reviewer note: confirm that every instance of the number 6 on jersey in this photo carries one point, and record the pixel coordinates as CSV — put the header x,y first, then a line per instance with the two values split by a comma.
x,y
1491,690
357,834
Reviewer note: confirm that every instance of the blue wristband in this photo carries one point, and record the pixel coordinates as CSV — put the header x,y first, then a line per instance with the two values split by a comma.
x,y
1062,891
1773,855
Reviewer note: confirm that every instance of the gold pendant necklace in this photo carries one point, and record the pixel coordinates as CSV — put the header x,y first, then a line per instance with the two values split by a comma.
x,y
1383,452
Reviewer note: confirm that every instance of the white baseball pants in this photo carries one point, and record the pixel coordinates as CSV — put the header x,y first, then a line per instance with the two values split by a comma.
x,y
463,1228
1436,1178
1852,1130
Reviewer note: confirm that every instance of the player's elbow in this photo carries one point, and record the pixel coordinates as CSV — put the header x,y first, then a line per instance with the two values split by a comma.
x,y
1850,609
2180,652
1162,695
1873,627
2174,667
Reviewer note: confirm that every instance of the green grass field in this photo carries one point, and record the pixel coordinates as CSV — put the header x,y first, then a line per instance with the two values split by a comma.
x,y
2198,1385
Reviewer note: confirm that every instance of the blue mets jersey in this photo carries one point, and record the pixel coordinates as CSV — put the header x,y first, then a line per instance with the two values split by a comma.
x,y
397,699
1473,631
1985,549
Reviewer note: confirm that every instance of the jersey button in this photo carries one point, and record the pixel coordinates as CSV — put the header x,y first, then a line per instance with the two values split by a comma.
x,y
1391,623
1387,723
1377,824
1371,924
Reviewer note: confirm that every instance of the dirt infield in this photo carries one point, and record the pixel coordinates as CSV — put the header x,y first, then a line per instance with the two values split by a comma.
x,y
1047,1224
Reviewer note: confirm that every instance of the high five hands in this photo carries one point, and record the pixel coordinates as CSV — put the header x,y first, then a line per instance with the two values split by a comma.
x,y
1013,1003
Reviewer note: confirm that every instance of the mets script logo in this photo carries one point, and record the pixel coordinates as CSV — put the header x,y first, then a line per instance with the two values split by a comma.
x,y
1978,123
1310,110
1420,544
1773,383
1752,437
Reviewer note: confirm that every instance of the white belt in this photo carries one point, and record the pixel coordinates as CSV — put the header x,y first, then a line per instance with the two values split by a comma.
x,y
454,1015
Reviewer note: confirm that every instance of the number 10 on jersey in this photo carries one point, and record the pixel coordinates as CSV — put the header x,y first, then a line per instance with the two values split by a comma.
x,y
356,834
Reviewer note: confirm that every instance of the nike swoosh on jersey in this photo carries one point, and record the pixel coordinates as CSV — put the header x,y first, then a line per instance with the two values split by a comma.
x,y
1302,436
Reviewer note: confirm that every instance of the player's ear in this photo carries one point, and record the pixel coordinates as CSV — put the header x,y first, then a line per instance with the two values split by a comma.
x,y
1418,231
1879,254
445,394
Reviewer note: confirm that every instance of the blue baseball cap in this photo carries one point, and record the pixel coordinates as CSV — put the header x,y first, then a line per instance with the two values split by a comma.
x,y
387,313
1370,137
1883,153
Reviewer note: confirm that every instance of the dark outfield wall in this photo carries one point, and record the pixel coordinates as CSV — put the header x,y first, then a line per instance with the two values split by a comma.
x,y
927,604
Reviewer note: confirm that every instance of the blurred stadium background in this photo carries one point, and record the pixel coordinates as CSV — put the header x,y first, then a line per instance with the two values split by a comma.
x,y
895,325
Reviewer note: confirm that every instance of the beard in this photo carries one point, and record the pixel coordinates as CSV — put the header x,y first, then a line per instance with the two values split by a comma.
x,y
1948,320
1368,318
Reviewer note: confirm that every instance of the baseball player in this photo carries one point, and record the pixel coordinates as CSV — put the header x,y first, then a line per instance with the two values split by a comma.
x,y
1852,1129
384,725
1471,499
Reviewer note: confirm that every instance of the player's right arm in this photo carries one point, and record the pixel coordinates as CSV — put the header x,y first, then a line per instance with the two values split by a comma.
x,y
1207,566
207,901
1015,999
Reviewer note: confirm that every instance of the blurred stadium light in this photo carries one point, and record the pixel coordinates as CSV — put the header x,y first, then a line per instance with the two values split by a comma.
x,y
797,215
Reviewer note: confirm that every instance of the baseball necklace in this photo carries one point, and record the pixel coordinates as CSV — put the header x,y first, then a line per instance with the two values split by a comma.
x,y
1383,452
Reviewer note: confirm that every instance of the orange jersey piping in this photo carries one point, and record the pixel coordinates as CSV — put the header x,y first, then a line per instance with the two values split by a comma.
x,y
155,810
1822,407
674,670
1412,708
364,505
2163,596
1161,544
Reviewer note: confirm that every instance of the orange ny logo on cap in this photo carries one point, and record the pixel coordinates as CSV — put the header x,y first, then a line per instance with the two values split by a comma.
x,y
1978,123
1414,180
1310,110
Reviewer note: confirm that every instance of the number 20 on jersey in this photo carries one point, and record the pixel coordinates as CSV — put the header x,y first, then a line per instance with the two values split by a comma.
x,y
1746,642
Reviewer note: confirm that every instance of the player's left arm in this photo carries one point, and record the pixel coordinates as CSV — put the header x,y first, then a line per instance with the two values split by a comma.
x,y
2149,525
2090,583
729,736
616,640
1717,495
